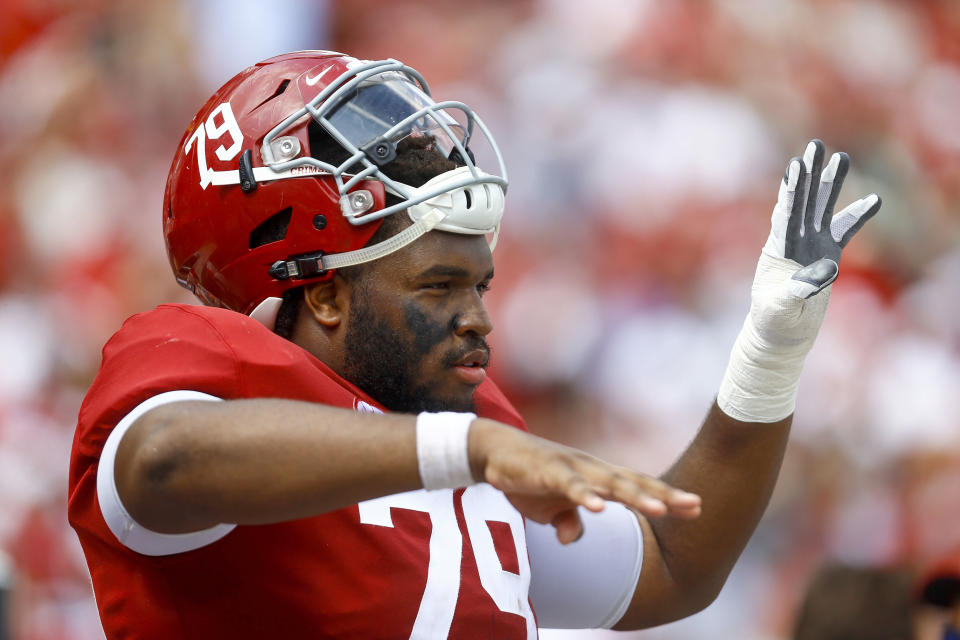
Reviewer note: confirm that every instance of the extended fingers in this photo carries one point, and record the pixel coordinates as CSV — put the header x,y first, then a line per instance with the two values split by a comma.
x,y
812,164
545,478
579,491
831,181
650,496
846,223
788,214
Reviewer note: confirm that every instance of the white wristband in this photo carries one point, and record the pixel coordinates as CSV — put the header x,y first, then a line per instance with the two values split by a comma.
x,y
442,449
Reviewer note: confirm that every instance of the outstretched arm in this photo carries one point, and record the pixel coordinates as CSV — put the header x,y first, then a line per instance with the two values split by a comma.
x,y
189,465
734,460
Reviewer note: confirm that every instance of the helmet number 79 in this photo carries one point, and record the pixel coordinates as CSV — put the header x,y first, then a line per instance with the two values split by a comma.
x,y
213,130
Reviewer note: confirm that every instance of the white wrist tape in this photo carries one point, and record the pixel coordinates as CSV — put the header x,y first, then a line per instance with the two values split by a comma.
x,y
760,384
442,449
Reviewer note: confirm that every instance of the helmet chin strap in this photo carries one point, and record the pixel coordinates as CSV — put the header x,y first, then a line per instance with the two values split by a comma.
x,y
388,246
266,312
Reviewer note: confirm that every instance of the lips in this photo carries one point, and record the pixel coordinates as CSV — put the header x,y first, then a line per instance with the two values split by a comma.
x,y
471,368
475,358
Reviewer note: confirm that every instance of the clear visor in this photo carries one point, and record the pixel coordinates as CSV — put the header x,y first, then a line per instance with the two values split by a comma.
x,y
379,104
369,108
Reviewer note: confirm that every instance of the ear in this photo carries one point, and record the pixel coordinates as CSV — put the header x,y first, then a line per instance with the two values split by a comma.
x,y
326,301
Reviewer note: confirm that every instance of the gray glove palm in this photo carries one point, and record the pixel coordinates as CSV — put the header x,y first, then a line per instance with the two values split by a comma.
x,y
803,226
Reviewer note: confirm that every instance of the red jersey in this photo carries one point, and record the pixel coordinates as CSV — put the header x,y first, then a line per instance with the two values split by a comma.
x,y
419,564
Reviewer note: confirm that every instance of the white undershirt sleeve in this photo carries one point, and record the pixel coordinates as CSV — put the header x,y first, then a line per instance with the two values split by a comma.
x,y
128,532
589,583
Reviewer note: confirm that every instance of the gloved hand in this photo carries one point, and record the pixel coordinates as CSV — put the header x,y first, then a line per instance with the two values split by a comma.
x,y
791,287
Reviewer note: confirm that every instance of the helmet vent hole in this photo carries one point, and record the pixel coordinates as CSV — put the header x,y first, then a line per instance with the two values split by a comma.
x,y
466,192
273,229
280,89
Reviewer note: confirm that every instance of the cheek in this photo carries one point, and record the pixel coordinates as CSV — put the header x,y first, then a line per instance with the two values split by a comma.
x,y
428,330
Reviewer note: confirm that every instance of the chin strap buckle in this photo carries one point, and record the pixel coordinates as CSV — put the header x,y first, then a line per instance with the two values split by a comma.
x,y
299,267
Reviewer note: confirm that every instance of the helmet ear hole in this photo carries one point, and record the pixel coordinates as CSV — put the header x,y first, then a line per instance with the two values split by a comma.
x,y
273,229
324,148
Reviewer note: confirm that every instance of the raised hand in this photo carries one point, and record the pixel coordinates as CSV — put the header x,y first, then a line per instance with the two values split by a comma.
x,y
791,287
803,226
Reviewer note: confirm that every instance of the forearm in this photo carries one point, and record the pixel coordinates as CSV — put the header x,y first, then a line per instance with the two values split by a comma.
x,y
189,465
733,466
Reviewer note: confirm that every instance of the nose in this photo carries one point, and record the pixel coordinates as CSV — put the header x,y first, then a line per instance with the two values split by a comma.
x,y
474,319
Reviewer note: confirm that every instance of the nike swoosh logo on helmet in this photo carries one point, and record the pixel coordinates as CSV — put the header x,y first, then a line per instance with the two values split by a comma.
x,y
315,79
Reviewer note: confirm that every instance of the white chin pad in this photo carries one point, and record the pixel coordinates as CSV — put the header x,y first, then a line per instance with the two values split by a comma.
x,y
473,208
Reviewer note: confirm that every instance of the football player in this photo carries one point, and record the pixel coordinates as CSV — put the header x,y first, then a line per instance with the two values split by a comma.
x,y
319,452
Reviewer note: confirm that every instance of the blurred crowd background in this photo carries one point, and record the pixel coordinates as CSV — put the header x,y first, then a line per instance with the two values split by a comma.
x,y
645,141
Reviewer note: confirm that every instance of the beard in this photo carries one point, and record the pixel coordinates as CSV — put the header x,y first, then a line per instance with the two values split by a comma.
x,y
384,362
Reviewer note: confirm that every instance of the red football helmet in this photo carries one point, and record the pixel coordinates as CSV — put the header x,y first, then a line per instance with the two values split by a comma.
x,y
278,179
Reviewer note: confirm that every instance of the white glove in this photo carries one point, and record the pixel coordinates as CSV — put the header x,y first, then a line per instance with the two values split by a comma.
x,y
791,287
